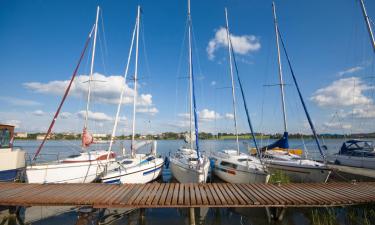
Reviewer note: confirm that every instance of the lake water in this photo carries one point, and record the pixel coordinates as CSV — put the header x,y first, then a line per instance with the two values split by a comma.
x,y
256,216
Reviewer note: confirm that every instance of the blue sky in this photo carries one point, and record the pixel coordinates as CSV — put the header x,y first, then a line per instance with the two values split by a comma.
x,y
40,42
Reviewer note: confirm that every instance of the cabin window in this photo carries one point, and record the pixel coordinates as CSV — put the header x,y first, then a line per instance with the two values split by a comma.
x,y
228,164
193,159
127,162
150,158
4,138
244,160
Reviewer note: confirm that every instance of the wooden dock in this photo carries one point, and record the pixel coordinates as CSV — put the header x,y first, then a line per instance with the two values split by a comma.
x,y
175,195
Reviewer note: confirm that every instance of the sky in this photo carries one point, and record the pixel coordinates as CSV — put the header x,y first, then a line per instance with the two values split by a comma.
x,y
327,42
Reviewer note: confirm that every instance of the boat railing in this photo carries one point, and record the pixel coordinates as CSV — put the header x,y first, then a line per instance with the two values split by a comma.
x,y
42,158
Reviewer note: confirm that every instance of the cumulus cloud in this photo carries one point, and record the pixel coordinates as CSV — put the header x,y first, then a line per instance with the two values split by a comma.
x,y
96,116
204,115
38,113
105,89
213,83
208,115
148,110
336,125
65,115
19,101
350,70
229,116
343,92
241,44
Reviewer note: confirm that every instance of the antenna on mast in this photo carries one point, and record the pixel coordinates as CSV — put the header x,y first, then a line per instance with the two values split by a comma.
x,y
232,79
280,67
369,28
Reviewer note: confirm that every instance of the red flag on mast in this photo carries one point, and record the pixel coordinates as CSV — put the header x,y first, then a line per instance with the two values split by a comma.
x,y
87,138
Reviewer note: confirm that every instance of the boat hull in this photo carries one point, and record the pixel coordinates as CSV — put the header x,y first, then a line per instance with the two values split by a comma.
x,y
231,175
136,175
299,174
80,172
12,164
353,161
184,174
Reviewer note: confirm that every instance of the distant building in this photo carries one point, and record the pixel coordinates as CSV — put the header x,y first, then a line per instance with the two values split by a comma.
x,y
21,135
99,135
41,136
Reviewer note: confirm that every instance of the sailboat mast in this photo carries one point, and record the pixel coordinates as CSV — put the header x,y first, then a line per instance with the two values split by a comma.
x,y
91,68
135,79
190,78
122,93
280,67
367,19
232,79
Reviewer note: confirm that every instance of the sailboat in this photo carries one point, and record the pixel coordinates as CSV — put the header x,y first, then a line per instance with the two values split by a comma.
x,y
88,164
12,160
358,153
232,165
136,167
188,164
276,155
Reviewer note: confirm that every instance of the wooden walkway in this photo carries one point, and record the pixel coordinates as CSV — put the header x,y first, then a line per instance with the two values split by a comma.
x,y
161,195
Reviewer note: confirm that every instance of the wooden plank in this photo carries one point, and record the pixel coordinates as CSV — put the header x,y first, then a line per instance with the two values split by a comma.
x,y
251,192
136,194
142,195
244,199
193,200
219,199
170,194
210,197
153,194
250,196
181,194
237,200
198,196
219,194
158,194
203,194
127,190
164,194
186,194
175,194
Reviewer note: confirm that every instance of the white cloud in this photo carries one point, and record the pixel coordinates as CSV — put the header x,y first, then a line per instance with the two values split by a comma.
x,y
241,44
204,115
38,113
213,83
97,116
343,92
336,125
229,116
350,70
105,89
208,115
18,101
148,110
65,115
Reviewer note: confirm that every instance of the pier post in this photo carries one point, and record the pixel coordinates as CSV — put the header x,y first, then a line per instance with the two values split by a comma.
x,y
142,218
191,216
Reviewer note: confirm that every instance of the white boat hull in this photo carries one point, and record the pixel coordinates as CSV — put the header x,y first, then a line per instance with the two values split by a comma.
x,y
184,174
362,162
238,176
301,174
84,172
139,174
12,163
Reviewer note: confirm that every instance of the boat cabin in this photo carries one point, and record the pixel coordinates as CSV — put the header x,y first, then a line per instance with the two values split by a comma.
x,y
356,147
6,135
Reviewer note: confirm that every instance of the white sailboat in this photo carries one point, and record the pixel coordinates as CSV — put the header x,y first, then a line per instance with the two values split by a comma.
x,y
88,164
231,165
358,153
277,156
188,165
12,159
136,167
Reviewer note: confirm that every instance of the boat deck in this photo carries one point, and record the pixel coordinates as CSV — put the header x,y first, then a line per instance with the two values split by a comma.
x,y
175,195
